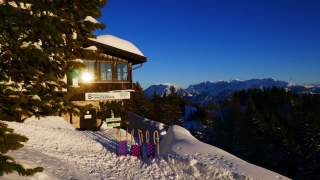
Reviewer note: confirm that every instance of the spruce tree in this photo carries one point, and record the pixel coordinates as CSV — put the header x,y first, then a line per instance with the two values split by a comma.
x,y
39,42
138,102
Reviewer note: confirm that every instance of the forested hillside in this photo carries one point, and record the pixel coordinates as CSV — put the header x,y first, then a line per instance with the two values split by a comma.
x,y
272,128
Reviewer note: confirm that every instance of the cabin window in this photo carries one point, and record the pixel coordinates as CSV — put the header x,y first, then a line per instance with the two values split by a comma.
x,y
105,71
122,70
90,67
73,77
88,73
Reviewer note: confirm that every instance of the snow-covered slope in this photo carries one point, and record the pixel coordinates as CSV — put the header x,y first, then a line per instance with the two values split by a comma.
x,y
66,153
162,89
308,88
180,142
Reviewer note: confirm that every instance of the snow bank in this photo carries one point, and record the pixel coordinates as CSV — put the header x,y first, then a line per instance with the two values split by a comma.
x,y
179,141
55,135
66,153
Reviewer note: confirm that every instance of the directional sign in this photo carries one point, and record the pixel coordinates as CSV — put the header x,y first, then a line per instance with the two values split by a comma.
x,y
110,120
113,125
98,96
113,121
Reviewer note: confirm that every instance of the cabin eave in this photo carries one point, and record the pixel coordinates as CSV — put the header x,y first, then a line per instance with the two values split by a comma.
x,y
131,57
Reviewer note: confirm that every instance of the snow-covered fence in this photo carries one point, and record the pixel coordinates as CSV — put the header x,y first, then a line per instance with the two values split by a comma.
x,y
137,122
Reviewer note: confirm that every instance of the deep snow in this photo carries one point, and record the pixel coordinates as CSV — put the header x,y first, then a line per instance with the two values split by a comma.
x,y
66,153
180,141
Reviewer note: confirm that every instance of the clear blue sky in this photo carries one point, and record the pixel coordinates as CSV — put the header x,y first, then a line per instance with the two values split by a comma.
x,y
189,41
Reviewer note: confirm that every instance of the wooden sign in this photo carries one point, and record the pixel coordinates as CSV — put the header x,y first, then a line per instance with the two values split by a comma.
x,y
98,96
113,122
113,125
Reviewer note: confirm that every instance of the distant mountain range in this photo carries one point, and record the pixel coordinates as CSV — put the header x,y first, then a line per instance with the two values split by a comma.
x,y
163,89
217,91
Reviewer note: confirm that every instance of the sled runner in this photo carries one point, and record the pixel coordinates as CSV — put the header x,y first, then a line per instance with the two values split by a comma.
x,y
156,140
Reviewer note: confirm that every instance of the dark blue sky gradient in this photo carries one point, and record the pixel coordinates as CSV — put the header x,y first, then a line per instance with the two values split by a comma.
x,y
188,41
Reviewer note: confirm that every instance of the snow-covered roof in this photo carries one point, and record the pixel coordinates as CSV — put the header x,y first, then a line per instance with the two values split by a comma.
x,y
117,42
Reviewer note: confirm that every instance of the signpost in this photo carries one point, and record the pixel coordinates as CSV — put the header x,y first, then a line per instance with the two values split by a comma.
x,y
113,122
100,96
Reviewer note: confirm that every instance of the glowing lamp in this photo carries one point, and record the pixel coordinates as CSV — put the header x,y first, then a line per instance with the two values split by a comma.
x,y
87,77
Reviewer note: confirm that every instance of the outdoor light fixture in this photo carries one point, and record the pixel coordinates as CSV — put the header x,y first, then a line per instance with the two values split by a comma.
x,y
87,77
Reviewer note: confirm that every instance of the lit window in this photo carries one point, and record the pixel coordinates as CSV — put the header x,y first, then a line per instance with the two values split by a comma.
x,y
122,70
105,71
90,66
88,72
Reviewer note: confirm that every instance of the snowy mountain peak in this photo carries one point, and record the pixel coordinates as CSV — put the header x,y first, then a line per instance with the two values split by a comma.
x,y
220,90
215,90
163,89
219,86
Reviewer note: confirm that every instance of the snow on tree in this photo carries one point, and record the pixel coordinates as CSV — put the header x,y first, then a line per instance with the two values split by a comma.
x,y
38,42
